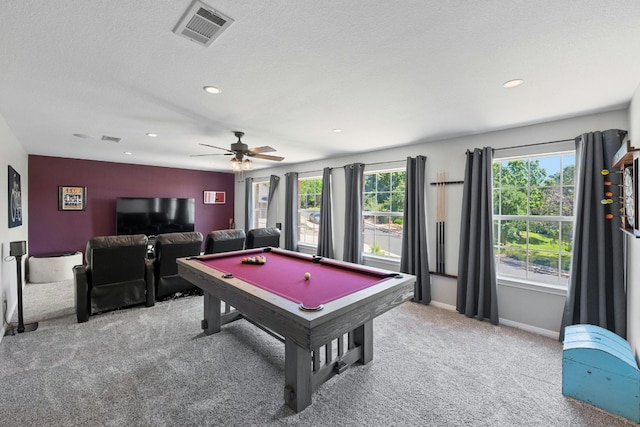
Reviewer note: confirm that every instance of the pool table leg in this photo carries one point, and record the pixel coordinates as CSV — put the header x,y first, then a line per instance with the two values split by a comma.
x,y
363,336
212,316
297,376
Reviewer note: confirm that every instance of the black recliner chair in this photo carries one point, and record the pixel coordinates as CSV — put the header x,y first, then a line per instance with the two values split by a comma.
x,y
263,237
117,274
224,241
168,247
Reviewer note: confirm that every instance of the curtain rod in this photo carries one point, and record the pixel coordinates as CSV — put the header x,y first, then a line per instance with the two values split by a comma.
x,y
534,144
366,164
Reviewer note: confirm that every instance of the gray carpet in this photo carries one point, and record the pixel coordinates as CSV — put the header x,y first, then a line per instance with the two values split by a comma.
x,y
154,367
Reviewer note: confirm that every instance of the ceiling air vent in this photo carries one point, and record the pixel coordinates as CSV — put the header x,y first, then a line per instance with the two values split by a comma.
x,y
111,138
202,24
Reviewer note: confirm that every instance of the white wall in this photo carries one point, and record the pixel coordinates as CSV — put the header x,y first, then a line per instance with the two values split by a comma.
x,y
532,309
633,265
12,153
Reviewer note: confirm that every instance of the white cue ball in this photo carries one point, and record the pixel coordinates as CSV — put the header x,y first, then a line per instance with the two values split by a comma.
x,y
307,275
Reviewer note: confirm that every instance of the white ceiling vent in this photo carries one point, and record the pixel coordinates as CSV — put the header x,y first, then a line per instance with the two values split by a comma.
x,y
202,24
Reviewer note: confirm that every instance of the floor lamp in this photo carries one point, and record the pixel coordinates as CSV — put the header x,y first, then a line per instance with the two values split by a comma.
x,y
17,250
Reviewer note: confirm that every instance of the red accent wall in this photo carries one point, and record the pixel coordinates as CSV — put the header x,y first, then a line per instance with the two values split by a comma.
x,y
53,231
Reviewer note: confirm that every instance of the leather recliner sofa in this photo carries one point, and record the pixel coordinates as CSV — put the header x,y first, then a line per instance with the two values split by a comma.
x,y
263,237
168,247
224,241
117,274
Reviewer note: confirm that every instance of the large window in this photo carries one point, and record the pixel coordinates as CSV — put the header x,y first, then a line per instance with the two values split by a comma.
x,y
309,195
260,201
383,213
533,217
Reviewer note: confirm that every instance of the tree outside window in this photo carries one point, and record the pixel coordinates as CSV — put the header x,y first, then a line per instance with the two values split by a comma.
x,y
309,197
533,217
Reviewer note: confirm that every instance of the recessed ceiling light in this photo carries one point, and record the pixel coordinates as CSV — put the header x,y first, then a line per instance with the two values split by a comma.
x,y
211,89
336,130
128,153
152,135
512,83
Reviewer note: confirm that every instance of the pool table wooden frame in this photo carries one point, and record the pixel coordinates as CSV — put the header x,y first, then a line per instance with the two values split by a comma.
x,y
318,344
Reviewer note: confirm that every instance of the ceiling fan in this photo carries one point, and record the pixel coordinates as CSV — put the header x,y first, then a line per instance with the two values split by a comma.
x,y
239,150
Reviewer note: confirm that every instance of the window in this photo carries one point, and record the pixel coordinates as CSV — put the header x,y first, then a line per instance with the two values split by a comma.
x,y
383,213
260,203
309,196
533,217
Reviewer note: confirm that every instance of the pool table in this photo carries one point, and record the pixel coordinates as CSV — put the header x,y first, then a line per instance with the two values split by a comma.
x,y
325,320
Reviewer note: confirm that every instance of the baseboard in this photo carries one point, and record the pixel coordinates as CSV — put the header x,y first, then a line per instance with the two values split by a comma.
x,y
507,322
529,328
8,315
443,305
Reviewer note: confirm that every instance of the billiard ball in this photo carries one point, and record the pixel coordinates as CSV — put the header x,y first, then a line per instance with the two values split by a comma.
x,y
307,275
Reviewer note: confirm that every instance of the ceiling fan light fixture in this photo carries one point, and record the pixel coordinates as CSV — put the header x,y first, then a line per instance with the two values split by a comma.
x,y
247,165
236,165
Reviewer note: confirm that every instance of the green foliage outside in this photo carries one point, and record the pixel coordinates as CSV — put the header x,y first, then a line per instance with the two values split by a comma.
x,y
384,192
309,193
375,249
524,188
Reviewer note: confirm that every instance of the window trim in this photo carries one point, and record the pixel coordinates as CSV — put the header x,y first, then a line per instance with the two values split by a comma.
x,y
524,153
308,178
256,201
391,167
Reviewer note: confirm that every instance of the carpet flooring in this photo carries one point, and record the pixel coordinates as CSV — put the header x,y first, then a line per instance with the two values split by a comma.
x,y
154,367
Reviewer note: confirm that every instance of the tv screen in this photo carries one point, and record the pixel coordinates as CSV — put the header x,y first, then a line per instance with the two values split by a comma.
x,y
154,215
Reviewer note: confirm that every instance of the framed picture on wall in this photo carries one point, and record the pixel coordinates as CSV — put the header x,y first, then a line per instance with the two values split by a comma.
x,y
14,195
215,197
72,198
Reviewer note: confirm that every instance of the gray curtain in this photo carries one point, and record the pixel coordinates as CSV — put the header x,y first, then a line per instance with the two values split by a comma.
x,y
291,211
477,296
248,204
596,292
274,180
325,232
354,183
415,256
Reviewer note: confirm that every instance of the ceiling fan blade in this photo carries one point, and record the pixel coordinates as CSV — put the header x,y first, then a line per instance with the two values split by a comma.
x,y
206,155
219,148
264,149
266,157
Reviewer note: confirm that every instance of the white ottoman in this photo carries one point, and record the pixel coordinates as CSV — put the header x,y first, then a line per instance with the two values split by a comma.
x,y
53,269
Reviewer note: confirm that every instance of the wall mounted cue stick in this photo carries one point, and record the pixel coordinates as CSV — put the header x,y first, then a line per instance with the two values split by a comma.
x,y
440,223
441,184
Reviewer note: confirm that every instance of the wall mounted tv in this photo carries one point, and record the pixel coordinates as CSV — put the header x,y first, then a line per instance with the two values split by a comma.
x,y
154,215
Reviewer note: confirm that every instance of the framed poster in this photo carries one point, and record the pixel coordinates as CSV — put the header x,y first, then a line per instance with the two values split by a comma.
x,y
72,198
14,195
215,197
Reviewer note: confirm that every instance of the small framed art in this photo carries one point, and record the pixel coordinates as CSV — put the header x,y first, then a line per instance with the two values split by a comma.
x,y
72,198
215,197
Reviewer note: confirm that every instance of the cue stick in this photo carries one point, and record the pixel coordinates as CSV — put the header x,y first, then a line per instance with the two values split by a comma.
x,y
440,227
438,185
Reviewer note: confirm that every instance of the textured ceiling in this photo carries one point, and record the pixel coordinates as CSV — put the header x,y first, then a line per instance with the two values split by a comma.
x,y
388,73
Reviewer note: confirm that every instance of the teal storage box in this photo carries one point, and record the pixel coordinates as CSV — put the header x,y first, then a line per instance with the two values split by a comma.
x,y
599,368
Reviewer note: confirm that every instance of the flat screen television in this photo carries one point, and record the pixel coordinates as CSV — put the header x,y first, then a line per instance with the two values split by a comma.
x,y
154,215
